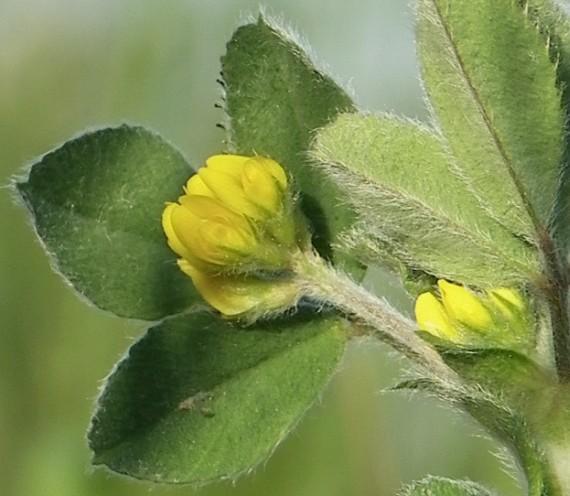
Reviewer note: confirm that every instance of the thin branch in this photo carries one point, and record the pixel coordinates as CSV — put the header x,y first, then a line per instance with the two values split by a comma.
x,y
323,283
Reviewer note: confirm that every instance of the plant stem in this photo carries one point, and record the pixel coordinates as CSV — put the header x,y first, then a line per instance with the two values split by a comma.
x,y
545,466
559,461
556,292
321,282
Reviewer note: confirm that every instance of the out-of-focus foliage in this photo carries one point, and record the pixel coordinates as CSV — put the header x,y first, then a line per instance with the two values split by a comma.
x,y
69,65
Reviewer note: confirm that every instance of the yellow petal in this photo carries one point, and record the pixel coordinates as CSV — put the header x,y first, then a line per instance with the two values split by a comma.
x,y
508,301
228,164
229,191
462,305
196,186
175,243
218,292
222,236
431,317
274,169
185,226
206,207
211,209
211,232
261,187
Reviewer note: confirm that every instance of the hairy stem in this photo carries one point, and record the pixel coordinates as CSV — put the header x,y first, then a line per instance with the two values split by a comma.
x,y
546,467
556,292
322,282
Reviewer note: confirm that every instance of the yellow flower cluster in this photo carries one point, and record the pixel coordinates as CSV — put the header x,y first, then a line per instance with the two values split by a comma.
x,y
458,313
236,218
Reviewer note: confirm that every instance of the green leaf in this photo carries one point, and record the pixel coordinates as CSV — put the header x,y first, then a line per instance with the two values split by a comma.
x,y
504,378
402,183
494,95
440,486
97,203
275,99
198,400
512,379
554,26
516,379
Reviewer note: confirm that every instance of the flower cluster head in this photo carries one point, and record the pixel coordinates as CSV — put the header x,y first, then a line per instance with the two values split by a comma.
x,y
464,317
236,229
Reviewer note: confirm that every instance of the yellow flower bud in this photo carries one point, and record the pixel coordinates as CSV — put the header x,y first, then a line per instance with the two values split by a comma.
x,y
253,186
235,219
464,307
500,317
431,317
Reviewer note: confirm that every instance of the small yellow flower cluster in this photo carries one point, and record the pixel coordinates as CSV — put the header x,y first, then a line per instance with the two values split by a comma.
x,y
459,314
236,219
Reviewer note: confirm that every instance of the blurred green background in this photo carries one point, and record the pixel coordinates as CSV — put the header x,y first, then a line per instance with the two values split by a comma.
x,y
70,65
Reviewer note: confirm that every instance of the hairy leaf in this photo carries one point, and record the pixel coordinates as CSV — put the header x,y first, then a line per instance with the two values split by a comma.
x,y
411,204
97,203
198,400
517,379
441,486
554,25
494,95
275,99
